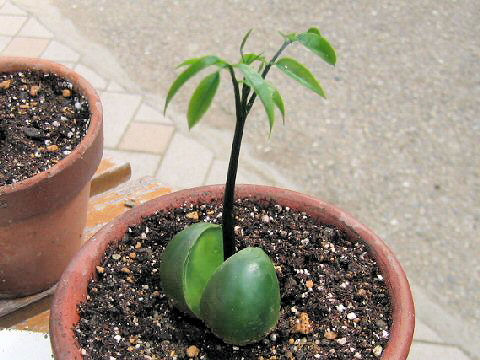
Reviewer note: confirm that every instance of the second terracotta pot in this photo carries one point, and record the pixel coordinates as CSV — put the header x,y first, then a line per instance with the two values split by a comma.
x,y
42,218
72,287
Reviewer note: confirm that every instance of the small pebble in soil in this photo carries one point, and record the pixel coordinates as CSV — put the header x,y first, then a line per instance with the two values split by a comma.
x,y
377,350
192,351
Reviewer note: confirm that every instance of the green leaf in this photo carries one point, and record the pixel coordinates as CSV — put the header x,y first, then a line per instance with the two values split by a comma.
x,y
292,37
299,72
188,262
314,30
241,302
277,99
244,40
196,65
202,98
262,89
250,58
319,45
188,62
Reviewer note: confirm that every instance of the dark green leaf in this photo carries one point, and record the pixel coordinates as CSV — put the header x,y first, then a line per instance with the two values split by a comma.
x,y
250,58
244,40
261,88
196,65
277,99
241,301
299,72
188,262
319,45
314,30
202,98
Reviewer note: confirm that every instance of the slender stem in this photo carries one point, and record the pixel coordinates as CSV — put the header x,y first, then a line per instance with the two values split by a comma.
x,y
264,74
229,195
242,108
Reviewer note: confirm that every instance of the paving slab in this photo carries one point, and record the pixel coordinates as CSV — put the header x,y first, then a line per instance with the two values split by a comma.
x,y
24,345
27,47
147,137
118,111
92,77
4,40
142,164
33,28
115,87
9,25
146,113
186,163
68,64
59,52
424,333
9,9
218,175
436,352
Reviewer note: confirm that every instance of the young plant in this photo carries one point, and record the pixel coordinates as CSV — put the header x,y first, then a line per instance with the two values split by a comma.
x,y
236,294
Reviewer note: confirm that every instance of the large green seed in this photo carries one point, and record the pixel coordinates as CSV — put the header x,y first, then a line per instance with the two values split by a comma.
x,y
188,262
241,302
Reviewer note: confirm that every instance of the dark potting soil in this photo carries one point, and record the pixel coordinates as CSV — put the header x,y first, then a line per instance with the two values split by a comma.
x,y
334,301
42,119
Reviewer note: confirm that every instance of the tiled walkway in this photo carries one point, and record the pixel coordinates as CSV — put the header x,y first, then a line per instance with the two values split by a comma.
x,y
137,132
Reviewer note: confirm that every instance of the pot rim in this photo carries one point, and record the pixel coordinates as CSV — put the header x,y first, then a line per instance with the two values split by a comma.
x,y
14,63
61,181
82,267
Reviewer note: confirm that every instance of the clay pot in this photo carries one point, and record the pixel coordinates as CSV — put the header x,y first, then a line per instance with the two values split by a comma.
x,y
64,316
42,218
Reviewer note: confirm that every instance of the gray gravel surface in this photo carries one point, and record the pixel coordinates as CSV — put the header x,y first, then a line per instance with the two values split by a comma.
x,y
397,141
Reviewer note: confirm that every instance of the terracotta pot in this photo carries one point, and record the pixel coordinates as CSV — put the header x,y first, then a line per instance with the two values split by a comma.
x,y
64,316
42,218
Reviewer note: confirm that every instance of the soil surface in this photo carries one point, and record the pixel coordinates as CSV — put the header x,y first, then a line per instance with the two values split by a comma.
x,y
334,301
42,119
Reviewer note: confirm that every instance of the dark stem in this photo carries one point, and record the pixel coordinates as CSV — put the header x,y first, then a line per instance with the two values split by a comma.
x,y
264,74
229,196
242,108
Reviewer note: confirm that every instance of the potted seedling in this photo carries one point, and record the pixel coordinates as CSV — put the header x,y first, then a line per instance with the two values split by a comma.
x,y
50,146
235,272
